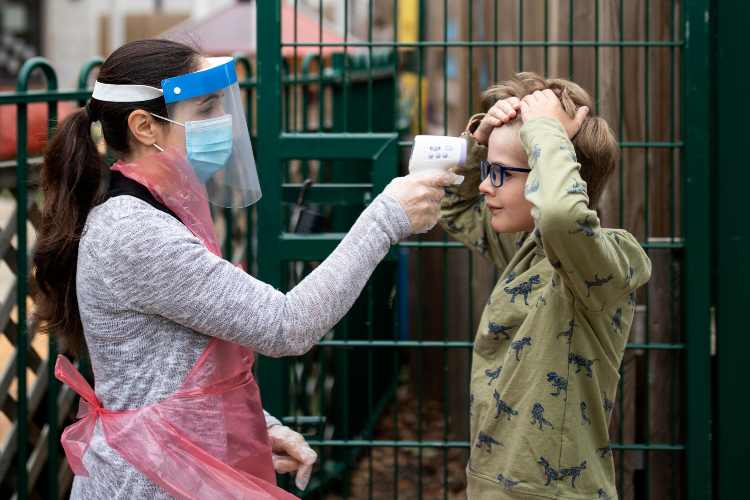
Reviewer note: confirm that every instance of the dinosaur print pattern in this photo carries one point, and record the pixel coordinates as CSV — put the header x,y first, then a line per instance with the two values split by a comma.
x,y
492,375
597,281
519,345
629,277
585,420
581,363
536,152
571,152
498,330
550,474
573,473
507,483
608,404
524,289
537,417
486,442
577,188
503,408
604,451
559,384
617,320
569,332
587,226
532,187
602,495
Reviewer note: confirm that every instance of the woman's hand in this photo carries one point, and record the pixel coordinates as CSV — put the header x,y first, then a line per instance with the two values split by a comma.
x,y
420,195
544,103
503,111
291,454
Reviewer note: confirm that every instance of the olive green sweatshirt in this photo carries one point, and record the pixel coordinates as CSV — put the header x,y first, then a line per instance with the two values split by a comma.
x,y
547,353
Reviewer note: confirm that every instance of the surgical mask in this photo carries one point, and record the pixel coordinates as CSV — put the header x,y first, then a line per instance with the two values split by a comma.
x,y
208,144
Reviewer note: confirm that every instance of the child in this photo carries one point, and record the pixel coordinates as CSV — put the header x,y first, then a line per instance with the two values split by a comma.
x,y
552,336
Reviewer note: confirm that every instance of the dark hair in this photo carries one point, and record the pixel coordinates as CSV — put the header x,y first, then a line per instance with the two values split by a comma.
x,y
74,174
595,143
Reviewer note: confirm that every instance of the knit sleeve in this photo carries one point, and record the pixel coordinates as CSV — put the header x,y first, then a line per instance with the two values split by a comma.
x,y
154,265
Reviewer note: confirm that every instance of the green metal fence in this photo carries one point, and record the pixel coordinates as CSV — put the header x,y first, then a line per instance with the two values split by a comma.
x,y
642,61
385,397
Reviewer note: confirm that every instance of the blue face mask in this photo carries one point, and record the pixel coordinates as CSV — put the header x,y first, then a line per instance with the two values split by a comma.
x,y
208,144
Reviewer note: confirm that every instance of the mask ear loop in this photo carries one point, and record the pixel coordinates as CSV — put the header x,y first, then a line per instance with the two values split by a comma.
x,y
161,149
167,119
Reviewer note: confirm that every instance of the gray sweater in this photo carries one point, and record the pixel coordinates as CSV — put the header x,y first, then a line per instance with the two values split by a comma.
x,y
151,296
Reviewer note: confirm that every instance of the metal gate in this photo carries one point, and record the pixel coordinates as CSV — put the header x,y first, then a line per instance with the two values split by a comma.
x,y
382,398
385,396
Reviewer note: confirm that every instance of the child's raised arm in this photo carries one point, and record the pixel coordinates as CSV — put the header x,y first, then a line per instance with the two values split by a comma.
x,y
464,215
597,265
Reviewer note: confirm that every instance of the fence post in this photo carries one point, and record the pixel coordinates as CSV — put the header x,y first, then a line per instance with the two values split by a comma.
x,y
22,275
272,373
733,236
85,73
696,116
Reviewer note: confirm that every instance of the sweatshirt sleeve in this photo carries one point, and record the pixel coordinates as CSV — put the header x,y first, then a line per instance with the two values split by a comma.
x,y
598,265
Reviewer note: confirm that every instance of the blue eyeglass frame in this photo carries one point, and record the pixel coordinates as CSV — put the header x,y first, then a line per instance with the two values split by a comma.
x,y
497,170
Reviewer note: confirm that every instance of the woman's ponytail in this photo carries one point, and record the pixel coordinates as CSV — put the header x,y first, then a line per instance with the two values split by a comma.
x,y
71,184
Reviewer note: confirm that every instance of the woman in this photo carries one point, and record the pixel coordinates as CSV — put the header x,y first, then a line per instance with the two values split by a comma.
x,y
130,269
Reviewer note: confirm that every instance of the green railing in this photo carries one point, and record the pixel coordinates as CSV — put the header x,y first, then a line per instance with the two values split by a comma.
x,y
384,398
642,68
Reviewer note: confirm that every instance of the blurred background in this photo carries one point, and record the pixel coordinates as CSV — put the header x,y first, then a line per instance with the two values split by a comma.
x,y
335,91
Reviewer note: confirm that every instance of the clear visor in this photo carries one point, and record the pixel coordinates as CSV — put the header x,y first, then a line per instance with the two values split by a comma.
x,y
209,106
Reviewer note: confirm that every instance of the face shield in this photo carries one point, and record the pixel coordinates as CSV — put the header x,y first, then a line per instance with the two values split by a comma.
x,y
207,105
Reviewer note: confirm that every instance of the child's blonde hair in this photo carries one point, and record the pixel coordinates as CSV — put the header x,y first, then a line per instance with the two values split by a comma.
x,y
595,143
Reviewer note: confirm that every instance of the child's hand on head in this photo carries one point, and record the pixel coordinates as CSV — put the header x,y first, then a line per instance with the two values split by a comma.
x,y
544,103
503,111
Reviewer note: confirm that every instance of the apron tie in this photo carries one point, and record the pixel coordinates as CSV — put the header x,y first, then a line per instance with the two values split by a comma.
x,y
76,437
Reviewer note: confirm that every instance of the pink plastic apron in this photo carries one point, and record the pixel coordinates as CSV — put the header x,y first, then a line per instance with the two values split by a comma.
x,y
209,438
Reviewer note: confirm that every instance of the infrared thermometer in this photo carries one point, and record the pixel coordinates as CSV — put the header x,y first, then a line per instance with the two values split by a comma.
x,y
437,152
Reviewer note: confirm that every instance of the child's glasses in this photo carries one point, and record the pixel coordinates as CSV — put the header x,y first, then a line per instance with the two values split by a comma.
x,y
498,171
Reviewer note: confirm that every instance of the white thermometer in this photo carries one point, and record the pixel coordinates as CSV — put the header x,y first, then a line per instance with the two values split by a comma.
x,y
437,152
